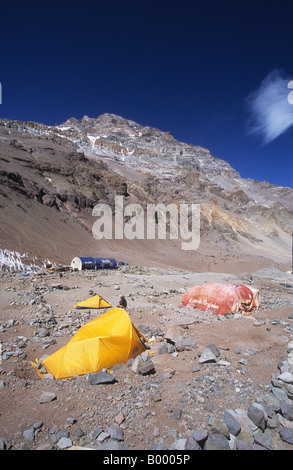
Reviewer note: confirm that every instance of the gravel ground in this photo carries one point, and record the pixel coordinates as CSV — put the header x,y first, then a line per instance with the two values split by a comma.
x,y
161,409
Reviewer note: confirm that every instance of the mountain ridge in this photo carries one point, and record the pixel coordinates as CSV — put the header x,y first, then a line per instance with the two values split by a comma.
x,y
59,173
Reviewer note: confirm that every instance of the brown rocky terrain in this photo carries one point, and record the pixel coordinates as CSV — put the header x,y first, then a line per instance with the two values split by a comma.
x,y
182,394
51,180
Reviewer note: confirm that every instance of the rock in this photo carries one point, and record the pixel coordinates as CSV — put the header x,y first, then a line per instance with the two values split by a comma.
x,y
78,433
243,362
64,443
130,362
220,427
170,348
216,442
163,349
263,439
245,422
135,366
103,436
246,437
183,343
257,414
200,436
167,375
46,397
71,420
222,362
119,418
214,349
62,433
286,435
143,365
191,444
242,445
112,445
147,367
285,423
174,333
4,444
38,425
97,432
116,432
287,409
253,351
156,432
273,422
286,377
39,364
103,377
157,446
207,356
43,332
233,425
29,434
278,393
176,413
272,402
179,444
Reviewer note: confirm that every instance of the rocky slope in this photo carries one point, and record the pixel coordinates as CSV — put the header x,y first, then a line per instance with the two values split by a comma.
x,y
211,382
52,178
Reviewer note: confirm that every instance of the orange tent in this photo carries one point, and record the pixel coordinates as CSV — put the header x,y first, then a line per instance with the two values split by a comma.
x,y
101,343
222,298
94,302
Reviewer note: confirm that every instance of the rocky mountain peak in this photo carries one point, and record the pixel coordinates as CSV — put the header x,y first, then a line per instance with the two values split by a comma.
x,y
124,140
56,174
113,124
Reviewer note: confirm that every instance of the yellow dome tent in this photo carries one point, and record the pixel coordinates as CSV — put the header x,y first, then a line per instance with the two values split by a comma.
x,y
93,302
108,340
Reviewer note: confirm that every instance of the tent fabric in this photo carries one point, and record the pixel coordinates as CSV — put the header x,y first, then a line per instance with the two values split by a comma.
x,y
222,298
93,302
108,340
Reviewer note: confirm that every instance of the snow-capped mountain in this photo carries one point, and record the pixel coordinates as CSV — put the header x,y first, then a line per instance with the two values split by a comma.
x,y
53,176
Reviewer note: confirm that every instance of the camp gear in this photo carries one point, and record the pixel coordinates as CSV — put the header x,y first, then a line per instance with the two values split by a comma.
x,y
100,344
89,262
93,302
222,298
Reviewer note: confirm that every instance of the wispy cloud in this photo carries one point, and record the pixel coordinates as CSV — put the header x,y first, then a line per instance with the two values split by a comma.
x,y
270,111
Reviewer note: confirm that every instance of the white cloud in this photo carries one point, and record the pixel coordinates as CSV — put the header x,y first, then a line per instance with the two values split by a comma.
x,y
270,108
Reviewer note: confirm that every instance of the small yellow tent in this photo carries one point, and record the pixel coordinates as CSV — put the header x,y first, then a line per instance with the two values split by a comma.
x,y
108,340
94,302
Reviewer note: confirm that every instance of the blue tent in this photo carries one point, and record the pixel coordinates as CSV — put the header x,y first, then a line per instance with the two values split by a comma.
x,y
90,262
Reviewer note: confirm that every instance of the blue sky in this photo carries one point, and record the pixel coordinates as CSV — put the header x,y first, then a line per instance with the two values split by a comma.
x,y
213,72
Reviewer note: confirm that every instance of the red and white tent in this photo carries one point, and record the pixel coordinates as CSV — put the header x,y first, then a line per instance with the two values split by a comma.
x,y
222,298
